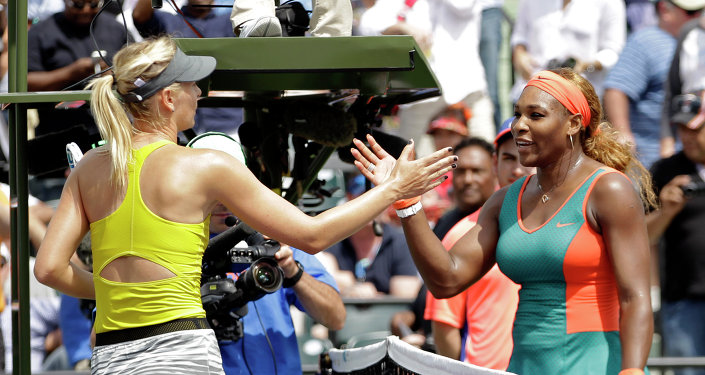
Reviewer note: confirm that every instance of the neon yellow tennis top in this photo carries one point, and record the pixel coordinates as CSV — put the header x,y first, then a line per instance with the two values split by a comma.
x,y
134,230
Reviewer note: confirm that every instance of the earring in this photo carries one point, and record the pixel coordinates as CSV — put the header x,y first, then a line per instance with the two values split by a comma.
x,y
572,146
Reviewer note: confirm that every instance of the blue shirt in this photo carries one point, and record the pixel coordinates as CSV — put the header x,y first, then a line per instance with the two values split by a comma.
x,y
272,312
213,25
640,74
75,330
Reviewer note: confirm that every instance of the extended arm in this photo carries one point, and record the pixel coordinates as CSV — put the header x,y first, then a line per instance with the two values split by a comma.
x,y
620,214
236,187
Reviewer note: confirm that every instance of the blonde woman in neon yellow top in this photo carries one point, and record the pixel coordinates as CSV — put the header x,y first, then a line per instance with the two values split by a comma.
x,y
147,201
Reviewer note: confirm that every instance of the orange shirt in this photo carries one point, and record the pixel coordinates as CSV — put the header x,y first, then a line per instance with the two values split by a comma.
x,y
486,308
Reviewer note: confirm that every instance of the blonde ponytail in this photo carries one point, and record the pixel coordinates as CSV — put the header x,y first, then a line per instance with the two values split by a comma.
x,y
134,62
115,127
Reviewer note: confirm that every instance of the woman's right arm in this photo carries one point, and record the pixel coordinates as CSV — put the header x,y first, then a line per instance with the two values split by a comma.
x,y
446,273
66,229
237,188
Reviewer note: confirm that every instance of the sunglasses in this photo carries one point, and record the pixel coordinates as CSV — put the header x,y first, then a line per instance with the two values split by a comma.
x,y
80,4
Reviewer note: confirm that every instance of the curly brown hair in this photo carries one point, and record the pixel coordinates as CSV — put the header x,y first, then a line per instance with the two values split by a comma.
x,y
600,141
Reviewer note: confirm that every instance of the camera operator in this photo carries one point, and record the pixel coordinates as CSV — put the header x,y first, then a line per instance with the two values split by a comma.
x,y
678,181
269,318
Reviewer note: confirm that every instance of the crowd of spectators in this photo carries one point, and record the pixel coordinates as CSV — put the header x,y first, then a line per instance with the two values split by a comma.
x,y
642,57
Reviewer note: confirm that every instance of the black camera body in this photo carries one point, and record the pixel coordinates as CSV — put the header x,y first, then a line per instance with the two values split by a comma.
x,y
224,298
696,187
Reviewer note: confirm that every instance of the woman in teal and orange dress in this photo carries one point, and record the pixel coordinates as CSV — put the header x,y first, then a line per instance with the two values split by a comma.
x,y
572,235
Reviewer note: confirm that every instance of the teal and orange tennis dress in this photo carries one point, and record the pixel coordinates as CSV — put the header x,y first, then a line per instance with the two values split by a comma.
x,y
567,321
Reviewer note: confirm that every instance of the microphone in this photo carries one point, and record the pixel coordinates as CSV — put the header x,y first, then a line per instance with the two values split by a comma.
x,y
230,220
156,4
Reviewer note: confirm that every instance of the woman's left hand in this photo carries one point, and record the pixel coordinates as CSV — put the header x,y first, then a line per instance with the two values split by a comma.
x,y
374,162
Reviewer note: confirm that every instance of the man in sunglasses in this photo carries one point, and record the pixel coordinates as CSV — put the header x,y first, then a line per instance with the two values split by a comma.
x,y
677,227
59,50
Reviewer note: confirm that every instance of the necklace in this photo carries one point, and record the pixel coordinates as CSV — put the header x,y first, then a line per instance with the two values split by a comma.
x,y
545,198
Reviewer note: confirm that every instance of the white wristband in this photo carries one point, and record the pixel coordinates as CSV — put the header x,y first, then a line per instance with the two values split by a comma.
x,y
409,211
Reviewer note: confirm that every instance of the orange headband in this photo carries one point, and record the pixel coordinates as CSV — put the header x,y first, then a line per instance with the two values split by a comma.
x,y
564,91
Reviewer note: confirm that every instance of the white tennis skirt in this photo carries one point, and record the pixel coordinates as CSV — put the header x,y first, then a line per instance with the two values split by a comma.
x,y
174,353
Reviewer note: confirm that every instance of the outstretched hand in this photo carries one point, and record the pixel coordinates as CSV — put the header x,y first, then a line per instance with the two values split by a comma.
x,y
415,177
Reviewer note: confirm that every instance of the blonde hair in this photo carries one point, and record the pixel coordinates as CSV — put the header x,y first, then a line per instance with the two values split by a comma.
x,y
600,141
143,60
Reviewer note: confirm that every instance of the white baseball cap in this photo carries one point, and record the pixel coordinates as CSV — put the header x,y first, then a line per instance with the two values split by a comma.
x,y
689,4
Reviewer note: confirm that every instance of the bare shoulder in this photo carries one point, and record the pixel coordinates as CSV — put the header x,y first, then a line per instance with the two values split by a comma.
x,y
614,185
95,164
206,157
615,198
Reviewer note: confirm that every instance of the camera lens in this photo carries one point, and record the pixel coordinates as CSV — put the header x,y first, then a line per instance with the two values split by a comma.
x,y
264,276
267,277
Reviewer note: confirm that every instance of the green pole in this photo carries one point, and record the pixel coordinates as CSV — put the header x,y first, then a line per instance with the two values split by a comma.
x,y
17,73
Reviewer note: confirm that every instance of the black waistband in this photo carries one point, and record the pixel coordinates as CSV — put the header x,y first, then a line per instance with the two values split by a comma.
x,y
129,334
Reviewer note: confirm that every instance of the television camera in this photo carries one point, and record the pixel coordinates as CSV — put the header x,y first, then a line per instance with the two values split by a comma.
x,y
225,298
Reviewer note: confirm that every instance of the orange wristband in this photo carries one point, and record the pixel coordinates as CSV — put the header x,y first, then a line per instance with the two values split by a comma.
x,y
404,203
632,371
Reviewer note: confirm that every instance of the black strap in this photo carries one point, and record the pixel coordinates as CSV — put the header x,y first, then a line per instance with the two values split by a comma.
x,y
130,334
291,281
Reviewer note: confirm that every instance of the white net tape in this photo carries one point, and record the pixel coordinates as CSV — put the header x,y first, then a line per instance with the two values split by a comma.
x,y
405,356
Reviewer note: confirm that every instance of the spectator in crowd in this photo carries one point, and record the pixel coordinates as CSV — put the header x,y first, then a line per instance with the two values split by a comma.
x,y
475,326
474,181
576,223
448,32
677,226
196,21
60,48
369,263
447,129
490,45
256,18
634,89
268,323
685,76
586,35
